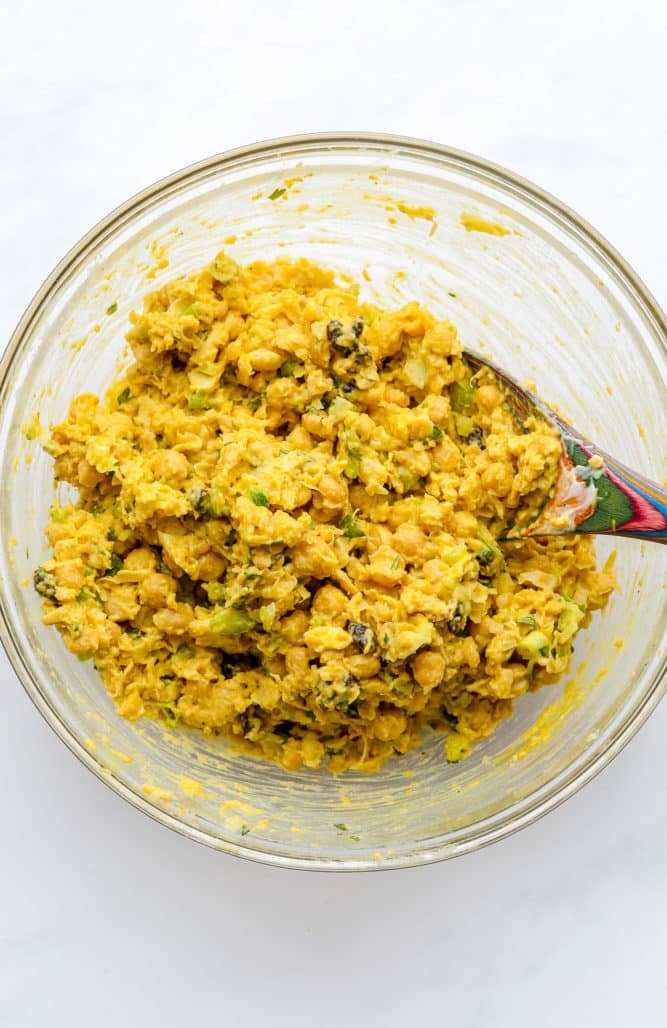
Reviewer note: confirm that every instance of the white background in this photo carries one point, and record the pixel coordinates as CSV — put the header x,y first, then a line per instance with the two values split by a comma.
x,y
106,918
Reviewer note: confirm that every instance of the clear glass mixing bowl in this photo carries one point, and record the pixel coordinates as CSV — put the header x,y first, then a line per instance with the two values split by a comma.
x,y
550,300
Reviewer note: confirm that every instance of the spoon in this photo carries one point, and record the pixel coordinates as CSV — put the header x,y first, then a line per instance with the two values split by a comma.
x,y
592,492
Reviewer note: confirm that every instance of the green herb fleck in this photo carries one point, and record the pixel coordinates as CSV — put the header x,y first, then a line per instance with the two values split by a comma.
x,y
355,838
112,308
115,565
258,496
86,594
276,193
527,620
396,563
190,311
289,367
244,829
341,827
350,528
197,401
450,293
169,711
84,656
436,433
123,396
256,402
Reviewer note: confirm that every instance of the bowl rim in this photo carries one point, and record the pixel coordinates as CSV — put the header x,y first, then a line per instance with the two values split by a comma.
x,y
545,798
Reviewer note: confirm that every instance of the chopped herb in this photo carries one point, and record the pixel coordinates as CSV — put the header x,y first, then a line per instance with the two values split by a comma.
x,y
436,433
197,401
190,311
396,563
528,619
112,308
84,656
341,827
355,838
258,496
134,633
123,396
244,828
255,402
276,193
115,564
85,594
449,293
289,367
350,528
353,444
230,621
169,711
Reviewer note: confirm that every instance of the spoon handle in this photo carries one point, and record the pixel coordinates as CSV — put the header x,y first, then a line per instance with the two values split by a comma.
x,y
624,502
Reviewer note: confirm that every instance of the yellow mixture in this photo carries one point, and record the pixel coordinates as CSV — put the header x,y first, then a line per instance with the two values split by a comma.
x,y
286,526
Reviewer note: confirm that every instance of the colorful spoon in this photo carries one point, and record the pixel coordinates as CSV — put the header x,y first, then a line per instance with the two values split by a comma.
x,y
593,492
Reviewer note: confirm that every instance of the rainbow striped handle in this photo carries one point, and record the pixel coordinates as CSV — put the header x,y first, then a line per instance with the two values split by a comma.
x,y
626,503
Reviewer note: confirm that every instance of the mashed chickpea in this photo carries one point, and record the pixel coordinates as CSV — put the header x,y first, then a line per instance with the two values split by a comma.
x,y
286,526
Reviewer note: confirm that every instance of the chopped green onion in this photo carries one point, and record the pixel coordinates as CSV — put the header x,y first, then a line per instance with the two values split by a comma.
x,y
350,528
258,496
289,367
197,401
276,193
112,308
123,396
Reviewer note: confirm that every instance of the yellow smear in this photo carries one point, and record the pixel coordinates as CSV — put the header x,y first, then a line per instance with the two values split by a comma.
x,y
427,213
242,808
155,793
473,223
230,239
33,429
78,344
122,756
158,250
553,716
191,786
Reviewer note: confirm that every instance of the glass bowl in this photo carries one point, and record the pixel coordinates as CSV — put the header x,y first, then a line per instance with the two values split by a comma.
x,y
549,298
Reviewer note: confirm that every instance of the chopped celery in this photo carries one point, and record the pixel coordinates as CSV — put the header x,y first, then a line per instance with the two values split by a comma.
x,y
230,621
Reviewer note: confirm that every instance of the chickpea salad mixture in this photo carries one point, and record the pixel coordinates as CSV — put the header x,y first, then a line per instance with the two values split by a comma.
x,y
286,522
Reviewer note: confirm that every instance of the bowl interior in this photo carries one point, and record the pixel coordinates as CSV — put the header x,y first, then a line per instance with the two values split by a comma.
x,y
545,298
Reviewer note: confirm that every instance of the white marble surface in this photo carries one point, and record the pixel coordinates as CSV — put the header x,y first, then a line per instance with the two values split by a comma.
x,y
106,918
